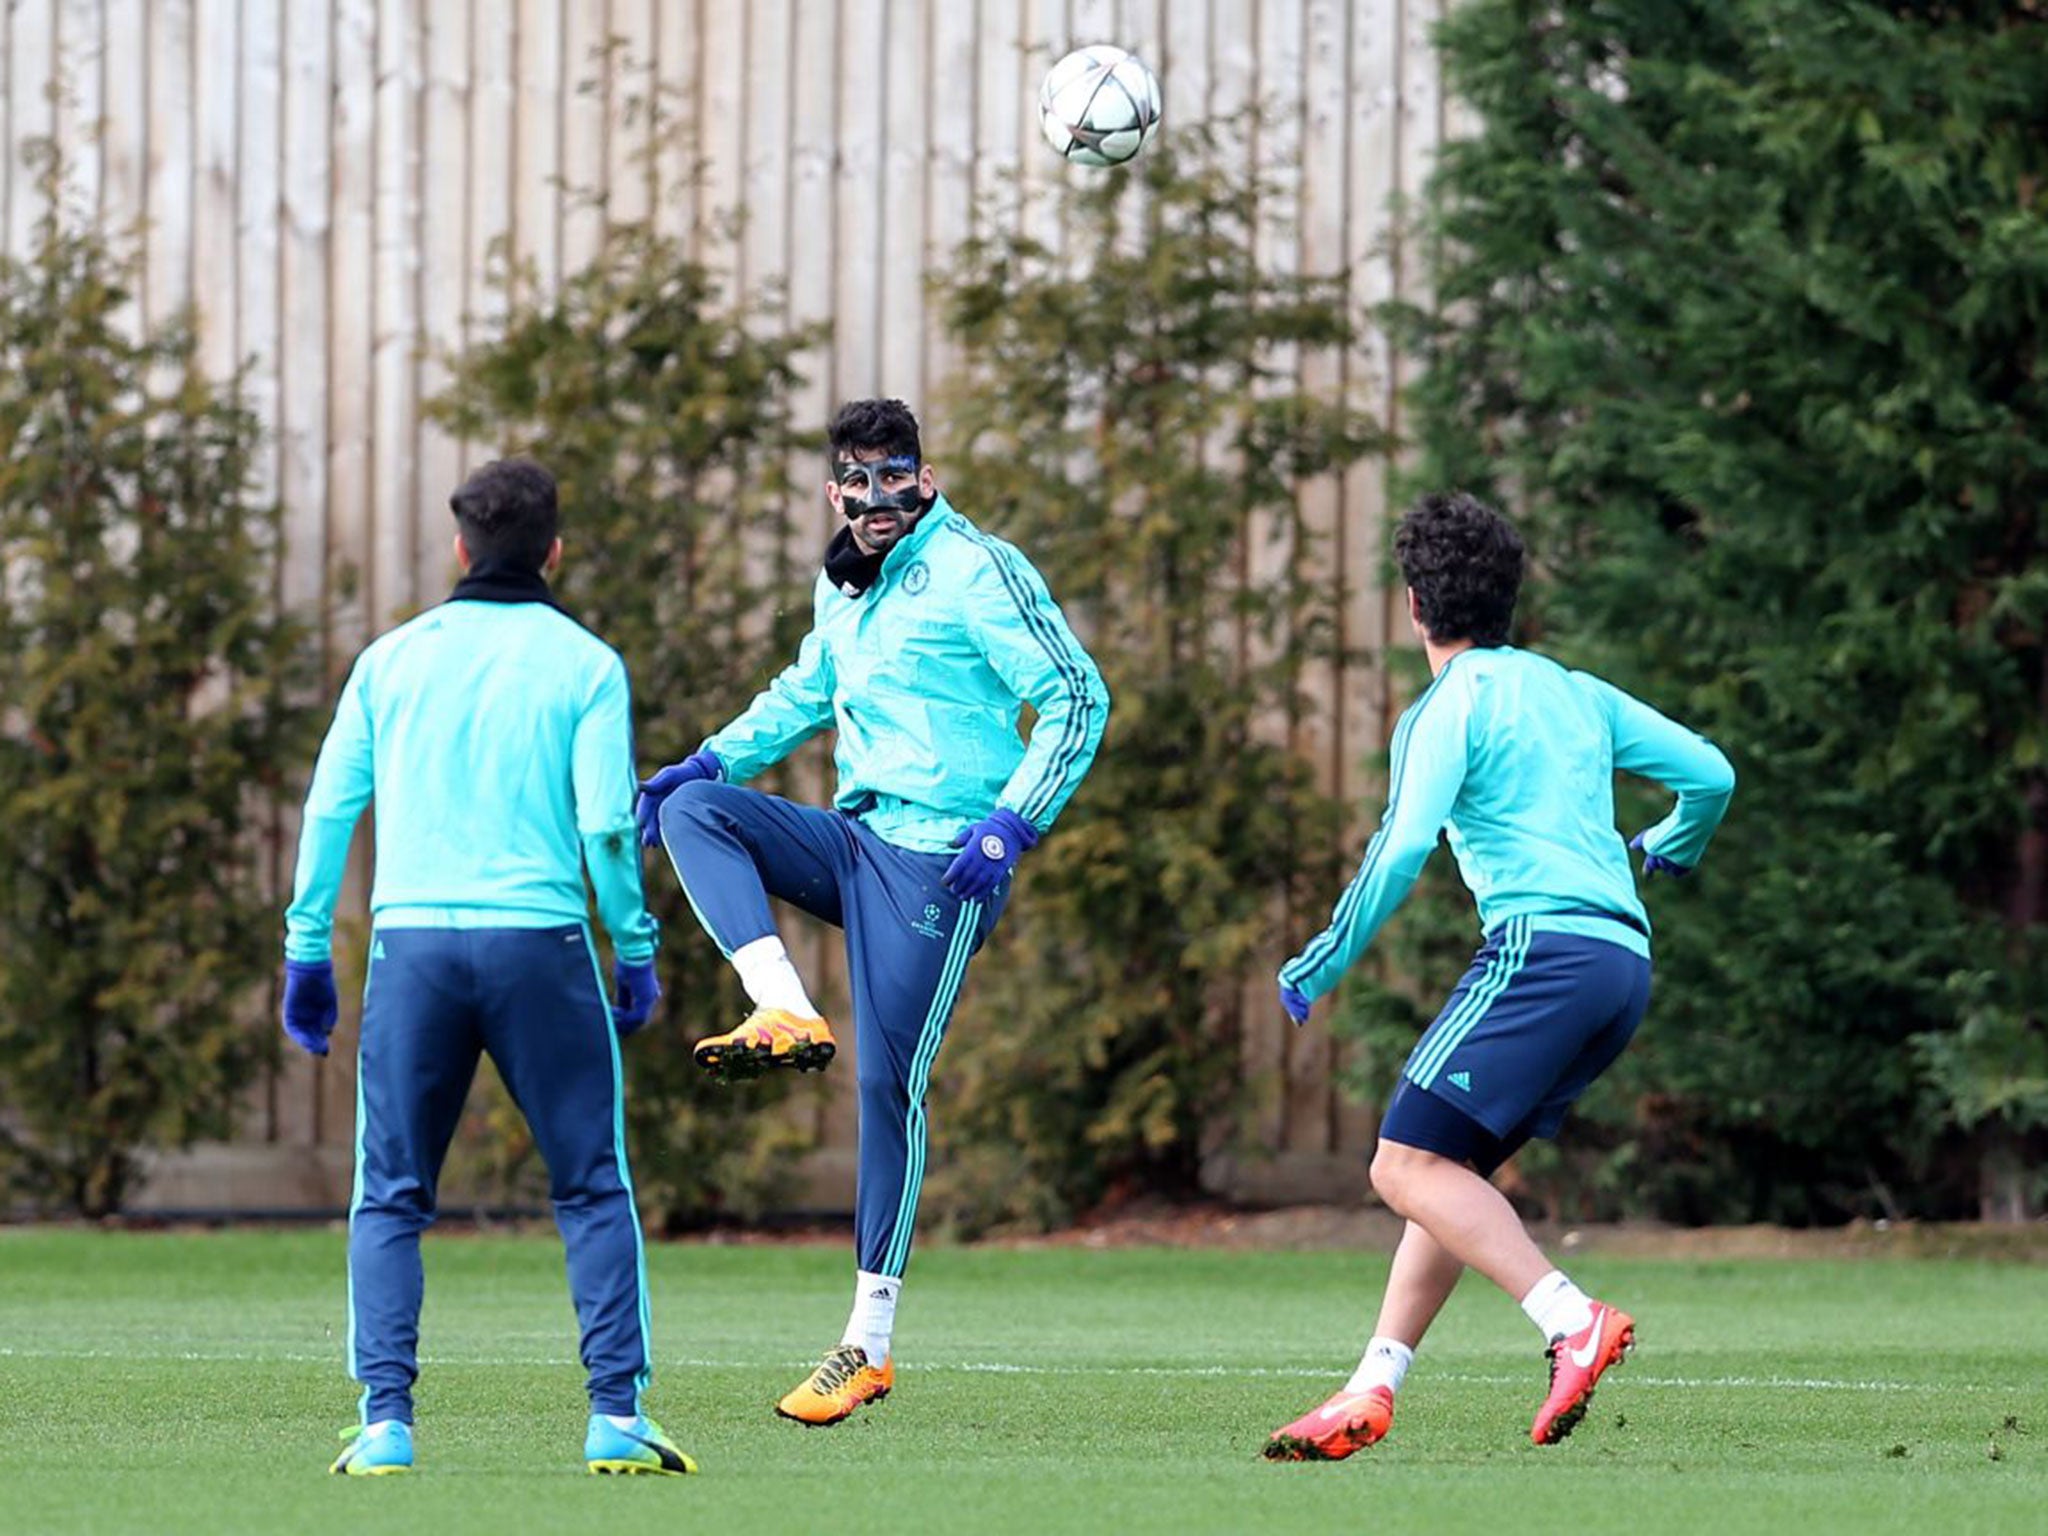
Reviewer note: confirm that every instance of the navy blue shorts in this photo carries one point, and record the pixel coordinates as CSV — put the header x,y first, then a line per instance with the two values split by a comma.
x,y
1528,1028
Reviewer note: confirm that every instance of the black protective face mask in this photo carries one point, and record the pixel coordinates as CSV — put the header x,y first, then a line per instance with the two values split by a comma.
x,y
860,488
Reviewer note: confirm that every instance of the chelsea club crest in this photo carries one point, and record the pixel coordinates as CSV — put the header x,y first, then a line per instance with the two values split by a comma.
x,y
916,577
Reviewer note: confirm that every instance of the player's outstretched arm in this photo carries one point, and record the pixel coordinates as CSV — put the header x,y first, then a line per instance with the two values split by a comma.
x,y
784,715
1426,771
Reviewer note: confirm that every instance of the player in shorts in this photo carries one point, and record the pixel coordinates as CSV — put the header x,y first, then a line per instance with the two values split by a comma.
x,y
1513,757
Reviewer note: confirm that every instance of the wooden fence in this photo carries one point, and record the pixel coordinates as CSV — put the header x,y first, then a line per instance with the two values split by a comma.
x,y
324,179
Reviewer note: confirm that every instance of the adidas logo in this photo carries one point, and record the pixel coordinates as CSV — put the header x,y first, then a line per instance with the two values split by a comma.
x,y
1462,1080
880,1296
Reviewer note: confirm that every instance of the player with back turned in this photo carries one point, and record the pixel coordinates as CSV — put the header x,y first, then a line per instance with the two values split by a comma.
x,y
1513,757
495,735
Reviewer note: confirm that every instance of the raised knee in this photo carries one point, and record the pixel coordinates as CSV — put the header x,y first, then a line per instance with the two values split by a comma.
x,y
691,802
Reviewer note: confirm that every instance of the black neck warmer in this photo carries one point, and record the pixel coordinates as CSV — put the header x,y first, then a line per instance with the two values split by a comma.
x,y
495,581
852,569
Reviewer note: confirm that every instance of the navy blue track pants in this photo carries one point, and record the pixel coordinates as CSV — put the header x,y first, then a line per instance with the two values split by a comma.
x,y
908,942
533,998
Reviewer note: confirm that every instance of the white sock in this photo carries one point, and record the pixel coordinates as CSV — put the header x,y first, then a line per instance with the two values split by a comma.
x,y
1558,1308
873,1319
1384,1364
622,1422
771,979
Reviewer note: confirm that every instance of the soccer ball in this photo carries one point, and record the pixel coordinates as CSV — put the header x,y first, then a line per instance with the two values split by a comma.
x,y
1099,105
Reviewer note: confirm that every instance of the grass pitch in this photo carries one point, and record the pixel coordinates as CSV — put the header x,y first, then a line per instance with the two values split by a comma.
x,y
193,1383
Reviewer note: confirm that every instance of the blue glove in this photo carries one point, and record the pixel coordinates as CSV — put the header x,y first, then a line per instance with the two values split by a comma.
x,y
666,781
638,989
1295,1002
1655,864
988,852
310,1008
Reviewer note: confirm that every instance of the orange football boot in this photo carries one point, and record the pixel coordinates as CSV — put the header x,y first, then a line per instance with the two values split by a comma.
x,y
1348,1422
766,1039
1577,1361
842,1382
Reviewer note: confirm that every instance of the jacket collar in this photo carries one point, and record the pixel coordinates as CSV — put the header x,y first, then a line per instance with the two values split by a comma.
x,y
853,574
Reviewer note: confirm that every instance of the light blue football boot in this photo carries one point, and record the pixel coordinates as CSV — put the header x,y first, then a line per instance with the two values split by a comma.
x,y
643,1448
375,1450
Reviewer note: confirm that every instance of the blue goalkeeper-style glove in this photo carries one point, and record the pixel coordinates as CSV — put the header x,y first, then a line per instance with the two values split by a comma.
x,y
1656,864
310,1007
637,989
1295,1002
989,850
666,781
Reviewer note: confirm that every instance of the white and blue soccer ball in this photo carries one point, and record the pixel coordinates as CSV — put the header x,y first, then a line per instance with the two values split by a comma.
x,y
1099,105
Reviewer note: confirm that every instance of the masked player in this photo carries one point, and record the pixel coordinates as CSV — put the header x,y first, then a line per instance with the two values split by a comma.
x,y
1514,757
928,637
493,733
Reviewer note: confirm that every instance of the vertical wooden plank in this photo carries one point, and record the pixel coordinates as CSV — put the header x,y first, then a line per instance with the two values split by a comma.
x,y
124,185
677,47
1184,64
629,162
493,137
217,149
30,61
167,285
585,82
1043,37
1090,21
303,387
537,126
1325,131
999,125
355,606
444,240
765,182
258,221
81,51
814,252
394,469
906,89
856,218
9,159
721,133
1317,1115
814,255
949,167
311,1107
1377,67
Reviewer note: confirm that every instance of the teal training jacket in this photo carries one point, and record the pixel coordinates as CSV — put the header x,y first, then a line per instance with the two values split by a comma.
x,y
497,741
922,677
1513,758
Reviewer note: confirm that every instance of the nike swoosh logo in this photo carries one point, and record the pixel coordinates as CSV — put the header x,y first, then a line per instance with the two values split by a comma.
x,y
1340,1410
1583,1358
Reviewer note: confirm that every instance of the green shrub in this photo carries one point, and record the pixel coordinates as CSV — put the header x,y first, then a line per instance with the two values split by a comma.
x,y
147,708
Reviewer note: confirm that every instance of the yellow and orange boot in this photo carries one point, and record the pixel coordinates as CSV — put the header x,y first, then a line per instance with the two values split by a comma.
x,y
842,1382
1348,1422
1577,1361
766,1039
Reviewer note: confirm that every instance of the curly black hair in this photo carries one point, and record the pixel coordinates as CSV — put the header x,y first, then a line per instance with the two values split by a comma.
x,y
508,512
887,425
1463,561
